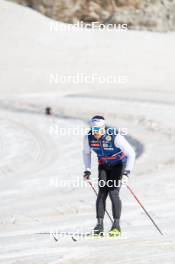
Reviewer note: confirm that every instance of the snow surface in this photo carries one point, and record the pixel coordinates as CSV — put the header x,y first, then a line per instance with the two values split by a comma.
x,y
34,158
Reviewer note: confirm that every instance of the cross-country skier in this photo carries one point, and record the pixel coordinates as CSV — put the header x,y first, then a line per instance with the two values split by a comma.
x,y
115,162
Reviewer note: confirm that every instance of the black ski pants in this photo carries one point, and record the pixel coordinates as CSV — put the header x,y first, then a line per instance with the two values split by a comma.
x,y
109,183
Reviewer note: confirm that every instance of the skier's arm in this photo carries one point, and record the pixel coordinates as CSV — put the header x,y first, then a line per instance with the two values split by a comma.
x,y
86,154
123,144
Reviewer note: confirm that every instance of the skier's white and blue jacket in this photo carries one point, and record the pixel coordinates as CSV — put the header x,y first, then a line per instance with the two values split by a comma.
x,y
111,149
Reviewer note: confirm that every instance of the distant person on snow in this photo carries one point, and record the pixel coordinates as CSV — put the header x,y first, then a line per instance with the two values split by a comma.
x,y
48,110
116,159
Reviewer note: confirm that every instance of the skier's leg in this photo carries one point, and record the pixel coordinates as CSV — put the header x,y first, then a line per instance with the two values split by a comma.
x,y
101,201
102,194
100,211
116,207
115,176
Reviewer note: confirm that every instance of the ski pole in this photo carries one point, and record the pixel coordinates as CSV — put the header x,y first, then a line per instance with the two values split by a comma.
x,y
90,183
133,194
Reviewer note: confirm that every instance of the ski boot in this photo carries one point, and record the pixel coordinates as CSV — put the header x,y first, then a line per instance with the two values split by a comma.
x,y
115,229
98,229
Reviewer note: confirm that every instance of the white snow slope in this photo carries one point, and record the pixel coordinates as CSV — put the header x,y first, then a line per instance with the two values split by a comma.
x,y
35,160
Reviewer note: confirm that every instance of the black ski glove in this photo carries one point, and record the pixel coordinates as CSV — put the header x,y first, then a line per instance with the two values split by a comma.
x,y
126,173
87,175
125,177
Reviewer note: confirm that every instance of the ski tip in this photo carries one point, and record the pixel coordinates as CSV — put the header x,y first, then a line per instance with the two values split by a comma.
x,y
56,239
74,239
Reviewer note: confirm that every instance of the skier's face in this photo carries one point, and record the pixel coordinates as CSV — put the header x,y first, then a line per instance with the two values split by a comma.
x,y
97,132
